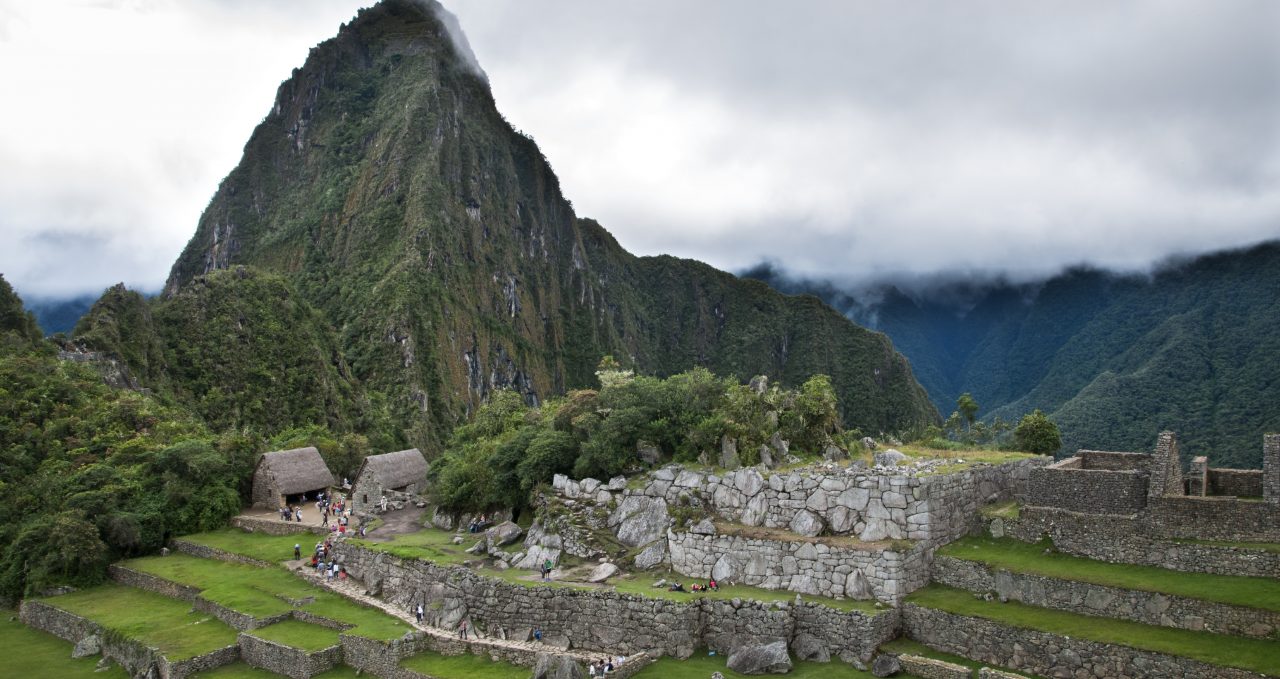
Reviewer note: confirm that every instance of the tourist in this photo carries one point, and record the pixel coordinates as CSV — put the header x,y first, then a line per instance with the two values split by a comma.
x,y
297,552
537,634
619,660
607,665
362,530
297,514
384,503
713,585
418,612
462,630
591,669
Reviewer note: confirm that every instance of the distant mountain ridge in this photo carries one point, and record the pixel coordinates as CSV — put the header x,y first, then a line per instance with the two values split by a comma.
x,y
386,204
1114,359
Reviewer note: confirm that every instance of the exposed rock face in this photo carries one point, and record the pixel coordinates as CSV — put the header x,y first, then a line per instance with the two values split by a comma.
x,y
640,520
652,555
885,665
503,534
603,572
806,524
811,648
557,667
648,453
889,458
703,527
761,658
725,568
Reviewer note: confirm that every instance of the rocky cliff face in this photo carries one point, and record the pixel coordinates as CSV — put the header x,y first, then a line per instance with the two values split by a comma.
x,y
397,202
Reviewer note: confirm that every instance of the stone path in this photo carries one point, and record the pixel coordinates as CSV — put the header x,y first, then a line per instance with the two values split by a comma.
x,y
353,590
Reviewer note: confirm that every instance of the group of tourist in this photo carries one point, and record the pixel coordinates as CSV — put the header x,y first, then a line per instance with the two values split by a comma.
x,y
711,586
291,513
322,560
478,523
602,667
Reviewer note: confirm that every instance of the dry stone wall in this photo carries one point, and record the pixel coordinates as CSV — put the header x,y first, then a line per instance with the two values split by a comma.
x,y
206,552
1151,608
928,668
1237,482
1124,540
136,658
286,660
1088,490
802,566
877,504
607,621
1048,654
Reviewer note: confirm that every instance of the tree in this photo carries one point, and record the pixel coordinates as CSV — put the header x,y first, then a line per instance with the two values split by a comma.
x,y
968,408
1036,433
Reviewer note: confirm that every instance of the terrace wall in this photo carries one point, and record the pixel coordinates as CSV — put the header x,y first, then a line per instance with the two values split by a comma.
x,y
607,621
207,552
928,668
286,660
1049,654
800,566
1110,602
136,658
1125,539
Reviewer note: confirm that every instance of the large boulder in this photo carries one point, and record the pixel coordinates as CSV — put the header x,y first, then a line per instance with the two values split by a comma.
x,y
703,527
868,443
556,667
725,568
503,534
442,519
856,585
806,523
640,519
759,384
652,555
811,648
885,665
536,556
766,456
889,458
781,447
834,452
761,658
603,572
748,482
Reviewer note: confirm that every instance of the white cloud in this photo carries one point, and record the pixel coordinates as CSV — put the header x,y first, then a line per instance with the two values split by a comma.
x,y
842,139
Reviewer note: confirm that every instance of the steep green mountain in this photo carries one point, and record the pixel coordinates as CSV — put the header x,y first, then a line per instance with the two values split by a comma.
x,y
384,199
1113,359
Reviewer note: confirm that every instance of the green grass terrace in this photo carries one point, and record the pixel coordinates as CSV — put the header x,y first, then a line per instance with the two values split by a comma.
x,y
1022,557
262,592
33,654
298,634
1255,655
701,665
465,666
157,621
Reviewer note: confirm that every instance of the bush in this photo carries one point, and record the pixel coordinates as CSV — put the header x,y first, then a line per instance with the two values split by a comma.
x,y
1036,433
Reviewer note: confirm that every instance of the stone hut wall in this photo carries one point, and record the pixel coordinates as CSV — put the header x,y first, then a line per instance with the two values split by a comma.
x,y
1236,482
1049,654
801,566
1271,468
1067,486
1109,602
606,621
1211,518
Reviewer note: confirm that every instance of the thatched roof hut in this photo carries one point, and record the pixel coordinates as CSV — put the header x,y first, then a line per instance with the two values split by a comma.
x,y
404,471
284,473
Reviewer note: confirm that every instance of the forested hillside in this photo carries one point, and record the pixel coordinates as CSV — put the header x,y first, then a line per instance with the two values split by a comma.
x,y
1113,359
403,253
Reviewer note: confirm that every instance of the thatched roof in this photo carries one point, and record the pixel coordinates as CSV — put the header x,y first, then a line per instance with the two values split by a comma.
x,y
395,470
296,471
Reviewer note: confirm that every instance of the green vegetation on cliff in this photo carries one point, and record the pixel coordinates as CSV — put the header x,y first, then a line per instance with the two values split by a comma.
x,y
407,253
509,449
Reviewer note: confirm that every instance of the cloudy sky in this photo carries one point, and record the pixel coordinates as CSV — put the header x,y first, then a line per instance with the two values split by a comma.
x,y
842,139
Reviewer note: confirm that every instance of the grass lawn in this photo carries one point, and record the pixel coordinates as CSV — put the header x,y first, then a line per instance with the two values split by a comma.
x,y
428,544
261,592
700,666
33,654
1002,510
1250,654
462,666
269,548
154,620
1023,557
242,671
298,634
